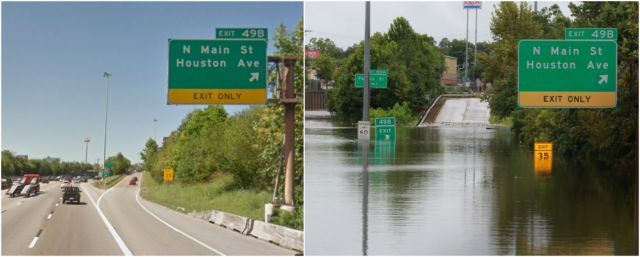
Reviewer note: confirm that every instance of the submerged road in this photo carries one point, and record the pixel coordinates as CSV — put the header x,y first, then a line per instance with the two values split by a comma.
x,y
114,222
464,111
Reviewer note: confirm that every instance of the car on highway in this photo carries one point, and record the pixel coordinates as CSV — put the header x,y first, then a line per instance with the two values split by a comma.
x,y
6,183
133,181
64,184
71,194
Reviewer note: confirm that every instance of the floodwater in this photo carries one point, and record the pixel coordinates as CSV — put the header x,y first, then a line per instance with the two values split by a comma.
x,y
456,190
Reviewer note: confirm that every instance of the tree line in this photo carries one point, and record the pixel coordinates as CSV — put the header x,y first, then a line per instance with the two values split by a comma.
x,y
414,64
13,165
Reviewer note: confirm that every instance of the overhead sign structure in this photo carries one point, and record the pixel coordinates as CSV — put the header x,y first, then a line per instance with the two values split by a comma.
x,y
217,71
377,79
385,128
566,74
542,157
242,33
472,5
168,174
591,34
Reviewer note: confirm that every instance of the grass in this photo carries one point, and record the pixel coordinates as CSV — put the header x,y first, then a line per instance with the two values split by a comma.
x,y
215,195
108,182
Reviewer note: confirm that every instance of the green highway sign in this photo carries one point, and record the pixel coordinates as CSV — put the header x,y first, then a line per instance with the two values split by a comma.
x,y
558,73
242,33
591,34
386,133
385,121
377,79
108,164
105,173
385,128
217,71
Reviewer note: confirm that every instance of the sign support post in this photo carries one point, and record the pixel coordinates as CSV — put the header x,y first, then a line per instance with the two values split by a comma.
x,y
289,100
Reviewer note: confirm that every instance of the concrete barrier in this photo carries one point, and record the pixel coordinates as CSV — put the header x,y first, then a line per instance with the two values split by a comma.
x,y
283,236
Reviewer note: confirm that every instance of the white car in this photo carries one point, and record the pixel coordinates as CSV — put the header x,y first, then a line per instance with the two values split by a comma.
x,y
64,184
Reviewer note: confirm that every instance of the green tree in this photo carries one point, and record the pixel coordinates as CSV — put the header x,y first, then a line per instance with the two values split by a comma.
x,y
414,66
326,46
149,154
509,23
120,164
193,152
8,163
291,44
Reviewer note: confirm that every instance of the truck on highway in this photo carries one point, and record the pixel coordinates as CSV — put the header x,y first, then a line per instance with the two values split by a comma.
x,y
71,194
27,186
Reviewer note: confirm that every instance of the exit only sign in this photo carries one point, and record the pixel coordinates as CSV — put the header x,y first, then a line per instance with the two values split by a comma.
x,y
567,74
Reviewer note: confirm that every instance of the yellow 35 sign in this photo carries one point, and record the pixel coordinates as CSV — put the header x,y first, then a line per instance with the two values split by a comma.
x,y
542,157
168,174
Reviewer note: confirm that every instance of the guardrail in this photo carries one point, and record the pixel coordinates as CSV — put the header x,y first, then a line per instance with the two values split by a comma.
x,y
283,236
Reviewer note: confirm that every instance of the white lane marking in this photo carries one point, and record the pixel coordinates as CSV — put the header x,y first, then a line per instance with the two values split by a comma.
x,y
33,242
19,203
115,235
49,217
174,228
56,204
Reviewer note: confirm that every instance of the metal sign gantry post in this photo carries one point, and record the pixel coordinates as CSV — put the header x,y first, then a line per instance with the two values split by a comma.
x,y
289,100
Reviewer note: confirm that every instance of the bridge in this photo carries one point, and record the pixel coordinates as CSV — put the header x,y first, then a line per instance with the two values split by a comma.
x,y
456,109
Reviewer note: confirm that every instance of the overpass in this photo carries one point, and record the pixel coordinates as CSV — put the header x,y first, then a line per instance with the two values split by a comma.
x,y
456,109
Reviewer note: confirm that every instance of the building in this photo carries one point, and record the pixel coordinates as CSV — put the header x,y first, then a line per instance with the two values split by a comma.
x,y
450,75
52,160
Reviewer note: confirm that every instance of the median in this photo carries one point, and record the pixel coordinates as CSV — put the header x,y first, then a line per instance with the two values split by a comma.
x,y
108,182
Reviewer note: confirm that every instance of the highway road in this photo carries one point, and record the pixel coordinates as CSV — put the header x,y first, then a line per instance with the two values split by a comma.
x,y
124,224
464,111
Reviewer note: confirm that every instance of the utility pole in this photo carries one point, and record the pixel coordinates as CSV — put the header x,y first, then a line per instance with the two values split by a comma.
x,y
466,53
106,114
86,150
155,125
475,54
367,63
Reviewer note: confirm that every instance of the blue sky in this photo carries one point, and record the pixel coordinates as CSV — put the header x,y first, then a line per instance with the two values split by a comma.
x,y
54,56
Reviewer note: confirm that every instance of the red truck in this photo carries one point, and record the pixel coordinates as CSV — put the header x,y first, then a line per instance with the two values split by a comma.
x,y
27,186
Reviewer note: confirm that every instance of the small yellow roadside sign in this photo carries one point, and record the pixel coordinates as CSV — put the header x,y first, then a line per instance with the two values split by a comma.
x,y
542,157
168,175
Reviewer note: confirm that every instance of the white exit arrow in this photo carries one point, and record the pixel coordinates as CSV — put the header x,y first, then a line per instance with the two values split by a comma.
x,y
603,79
254,76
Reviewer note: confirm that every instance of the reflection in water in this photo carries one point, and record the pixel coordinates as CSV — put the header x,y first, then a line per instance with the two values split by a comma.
x,y
457,190
364,148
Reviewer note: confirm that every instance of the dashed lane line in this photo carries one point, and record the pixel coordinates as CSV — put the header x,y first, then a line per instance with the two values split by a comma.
x,y
35,239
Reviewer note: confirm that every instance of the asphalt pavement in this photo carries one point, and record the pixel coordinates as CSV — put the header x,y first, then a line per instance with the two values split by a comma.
x,y
124,224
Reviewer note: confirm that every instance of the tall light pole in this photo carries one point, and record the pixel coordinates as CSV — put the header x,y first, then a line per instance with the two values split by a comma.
x,y
155,125
106,114
365,95
86,151
466,52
